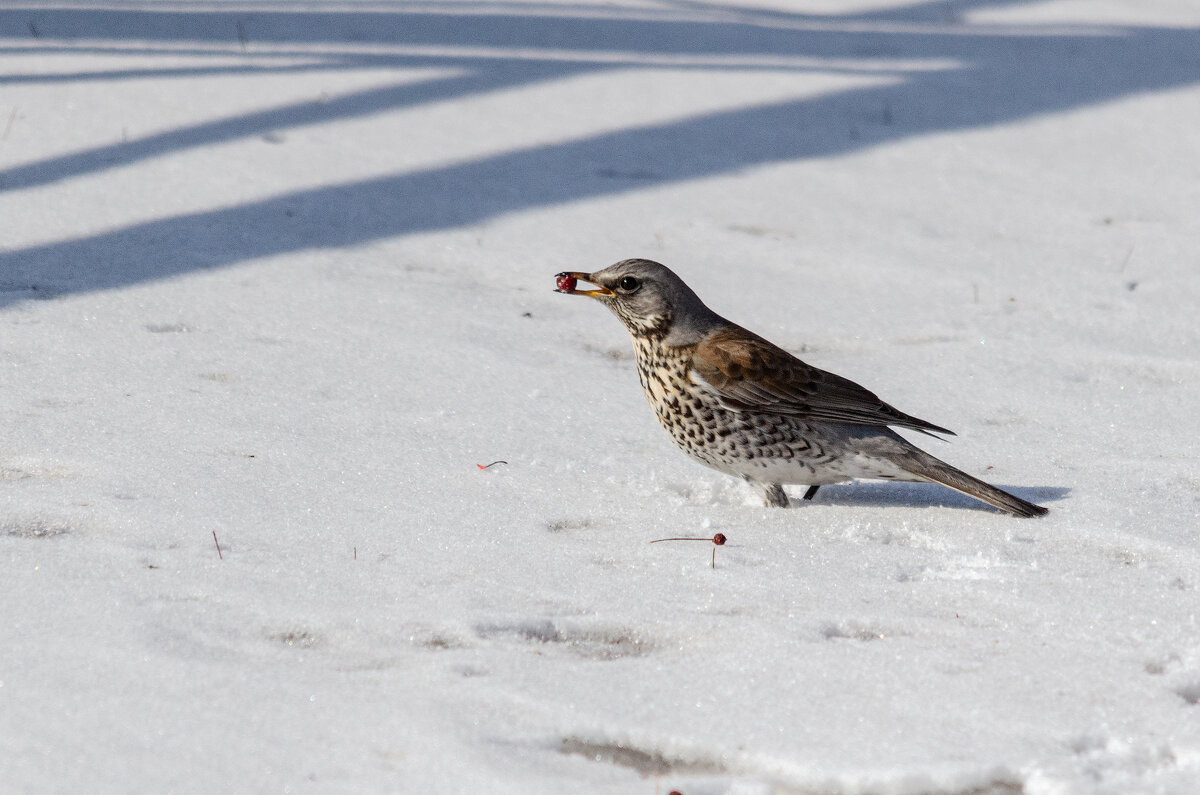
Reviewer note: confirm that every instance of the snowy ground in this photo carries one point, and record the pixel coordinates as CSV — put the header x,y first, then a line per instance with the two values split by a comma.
x,y
283,273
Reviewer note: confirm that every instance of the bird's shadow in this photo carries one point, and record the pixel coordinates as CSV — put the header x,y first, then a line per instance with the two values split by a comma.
x,y
922,495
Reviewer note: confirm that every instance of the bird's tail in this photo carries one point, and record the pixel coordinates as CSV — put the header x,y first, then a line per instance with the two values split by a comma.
x,y
930,468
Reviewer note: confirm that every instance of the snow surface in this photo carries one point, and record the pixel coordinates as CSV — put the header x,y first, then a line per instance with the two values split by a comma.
x,y
282,273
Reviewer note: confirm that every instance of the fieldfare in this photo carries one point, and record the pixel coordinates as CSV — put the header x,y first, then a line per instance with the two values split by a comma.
x,y
743,406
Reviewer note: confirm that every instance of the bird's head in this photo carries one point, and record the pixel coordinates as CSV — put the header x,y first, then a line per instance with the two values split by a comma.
x,y
648,298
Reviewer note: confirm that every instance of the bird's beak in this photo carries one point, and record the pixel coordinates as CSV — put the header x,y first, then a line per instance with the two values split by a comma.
x,y
566,280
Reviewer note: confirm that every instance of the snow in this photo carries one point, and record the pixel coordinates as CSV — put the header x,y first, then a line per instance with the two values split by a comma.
x,y
279,276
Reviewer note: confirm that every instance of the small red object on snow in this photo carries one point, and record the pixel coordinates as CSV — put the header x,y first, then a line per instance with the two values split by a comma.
x,y
718,541
565,282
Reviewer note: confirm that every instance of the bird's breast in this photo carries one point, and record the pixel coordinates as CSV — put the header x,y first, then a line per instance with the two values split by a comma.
x,y
767,447
684,410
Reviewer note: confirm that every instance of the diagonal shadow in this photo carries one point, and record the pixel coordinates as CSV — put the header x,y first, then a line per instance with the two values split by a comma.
x,y
347,106
109,75
448,32
1005,76
761,34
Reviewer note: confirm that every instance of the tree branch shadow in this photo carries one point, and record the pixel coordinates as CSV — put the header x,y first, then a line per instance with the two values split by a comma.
x,y
1000,76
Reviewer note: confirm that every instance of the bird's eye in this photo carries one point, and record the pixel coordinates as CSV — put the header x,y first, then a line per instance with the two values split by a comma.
x,y
629,284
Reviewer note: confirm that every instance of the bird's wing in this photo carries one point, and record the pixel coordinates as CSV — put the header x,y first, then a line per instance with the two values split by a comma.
x,y
747,373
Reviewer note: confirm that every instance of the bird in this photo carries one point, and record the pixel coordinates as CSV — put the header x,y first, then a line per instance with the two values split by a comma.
x,y
742,405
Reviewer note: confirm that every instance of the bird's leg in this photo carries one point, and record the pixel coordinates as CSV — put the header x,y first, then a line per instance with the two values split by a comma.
x,y
812,492
773,494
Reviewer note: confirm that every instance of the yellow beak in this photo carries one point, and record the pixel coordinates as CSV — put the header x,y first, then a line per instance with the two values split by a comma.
x,y
566,284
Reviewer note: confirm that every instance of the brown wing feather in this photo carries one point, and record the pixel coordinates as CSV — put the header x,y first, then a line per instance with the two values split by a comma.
x,y
749,373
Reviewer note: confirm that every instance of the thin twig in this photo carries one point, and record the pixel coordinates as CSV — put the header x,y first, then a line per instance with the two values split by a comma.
x,y
218,543
12,117
717,540
1125,263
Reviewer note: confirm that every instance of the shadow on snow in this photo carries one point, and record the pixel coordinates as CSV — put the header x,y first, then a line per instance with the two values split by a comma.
x,y
1001,75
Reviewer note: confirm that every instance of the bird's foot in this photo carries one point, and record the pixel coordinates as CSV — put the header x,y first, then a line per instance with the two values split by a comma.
x,y
773,495
812,492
